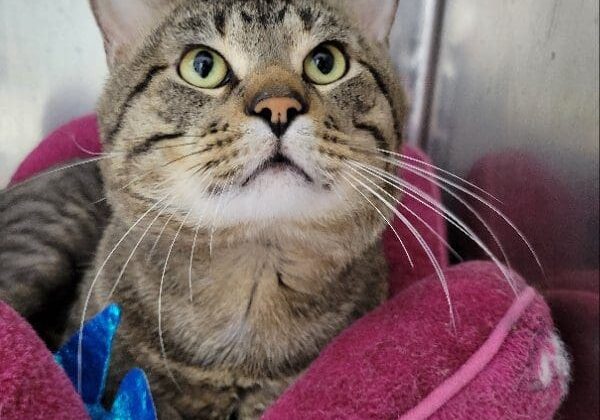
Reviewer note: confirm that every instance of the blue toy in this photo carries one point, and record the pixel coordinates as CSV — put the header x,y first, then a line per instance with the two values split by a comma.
x,y
133,400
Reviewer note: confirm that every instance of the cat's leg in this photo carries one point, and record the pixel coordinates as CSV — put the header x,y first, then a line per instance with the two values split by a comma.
x,y
50,227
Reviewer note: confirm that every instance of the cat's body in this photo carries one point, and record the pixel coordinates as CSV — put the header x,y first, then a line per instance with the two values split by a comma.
x,y
237,252
260,310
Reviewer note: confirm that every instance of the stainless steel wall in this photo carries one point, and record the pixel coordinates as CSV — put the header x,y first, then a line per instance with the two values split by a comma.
x,y
413,46
521,75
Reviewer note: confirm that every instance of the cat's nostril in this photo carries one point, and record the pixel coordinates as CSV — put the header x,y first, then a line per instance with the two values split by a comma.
x,y
278,112
266,114
292,113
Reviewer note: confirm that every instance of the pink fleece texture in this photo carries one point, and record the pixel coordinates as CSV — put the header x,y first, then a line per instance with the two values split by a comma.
x,y
404,360
76,140
32,385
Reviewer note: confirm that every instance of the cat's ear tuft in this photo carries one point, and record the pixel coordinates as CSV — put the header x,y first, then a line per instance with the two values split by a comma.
x,y
124,22
376,17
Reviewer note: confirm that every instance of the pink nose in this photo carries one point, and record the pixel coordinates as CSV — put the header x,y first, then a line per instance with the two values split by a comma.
x,y
278,112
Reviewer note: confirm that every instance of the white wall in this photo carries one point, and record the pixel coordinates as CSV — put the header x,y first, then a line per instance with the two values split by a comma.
x,y
51,70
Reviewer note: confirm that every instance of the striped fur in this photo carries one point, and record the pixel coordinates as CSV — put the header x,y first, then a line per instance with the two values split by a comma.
x,y
50,229
231,283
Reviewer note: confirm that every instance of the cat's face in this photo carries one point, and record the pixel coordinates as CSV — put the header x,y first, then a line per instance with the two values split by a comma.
x,y
241,112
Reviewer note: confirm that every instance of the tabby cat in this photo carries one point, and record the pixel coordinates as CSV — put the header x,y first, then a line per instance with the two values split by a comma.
x,y
228,215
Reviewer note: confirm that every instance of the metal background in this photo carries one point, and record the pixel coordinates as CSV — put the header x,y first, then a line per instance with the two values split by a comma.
x,y
482,75
520,75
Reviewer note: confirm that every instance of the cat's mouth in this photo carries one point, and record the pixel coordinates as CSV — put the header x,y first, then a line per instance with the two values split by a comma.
x,y
277,164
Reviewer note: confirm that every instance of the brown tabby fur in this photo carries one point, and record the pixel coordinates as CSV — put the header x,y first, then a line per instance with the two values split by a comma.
x,y
266,294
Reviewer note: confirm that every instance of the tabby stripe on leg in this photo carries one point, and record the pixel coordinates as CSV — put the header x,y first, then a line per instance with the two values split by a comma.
x,y
36,238
46,224
23,206
28,209
137,91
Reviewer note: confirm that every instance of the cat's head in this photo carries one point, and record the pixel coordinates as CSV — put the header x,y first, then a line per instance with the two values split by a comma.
x,y
248,111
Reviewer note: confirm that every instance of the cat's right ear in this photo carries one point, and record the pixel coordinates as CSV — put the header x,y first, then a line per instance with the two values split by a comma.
x,y
375,17
124,23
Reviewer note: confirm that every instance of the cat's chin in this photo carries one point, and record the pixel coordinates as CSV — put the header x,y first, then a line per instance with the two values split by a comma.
x,y
275,194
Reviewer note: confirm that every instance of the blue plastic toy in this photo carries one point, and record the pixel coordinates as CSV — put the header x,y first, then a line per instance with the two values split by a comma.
x,y
133,400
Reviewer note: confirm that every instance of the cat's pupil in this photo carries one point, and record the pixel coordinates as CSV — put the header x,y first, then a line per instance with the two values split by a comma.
x,y
204,63
324,60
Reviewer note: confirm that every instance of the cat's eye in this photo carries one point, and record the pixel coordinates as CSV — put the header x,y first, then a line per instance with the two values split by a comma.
x,y
325,64
204,68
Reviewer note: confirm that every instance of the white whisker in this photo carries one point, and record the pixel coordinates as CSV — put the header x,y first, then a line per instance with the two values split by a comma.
x,y
410,260
441,170
160,294
452,218
435,178
57,170
93,284
422,242
475,238
190,277
87,151
135,248
193,251
405,207
216,214
159,237
124,187
426,164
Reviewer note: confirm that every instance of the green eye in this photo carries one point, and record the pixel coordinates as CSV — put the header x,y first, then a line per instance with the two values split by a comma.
x,y
325,64
204,68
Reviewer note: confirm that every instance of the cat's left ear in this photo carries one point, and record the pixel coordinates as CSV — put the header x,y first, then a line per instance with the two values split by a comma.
x,y
376,17
124,22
